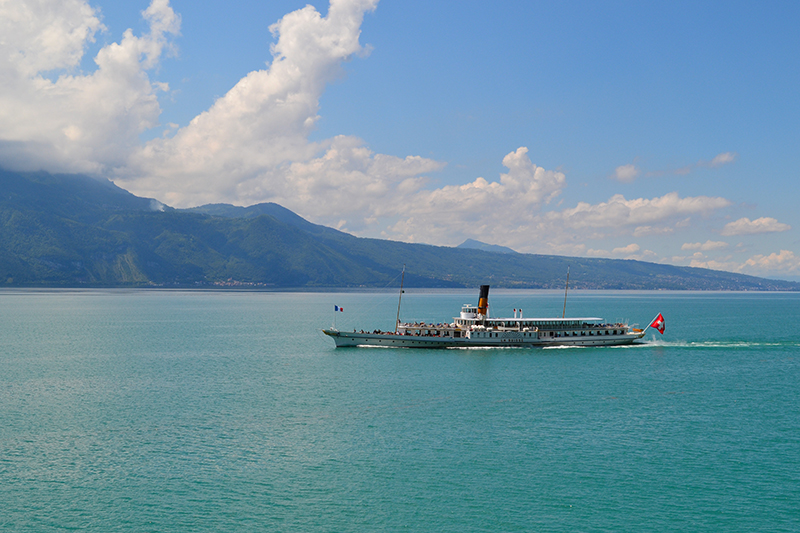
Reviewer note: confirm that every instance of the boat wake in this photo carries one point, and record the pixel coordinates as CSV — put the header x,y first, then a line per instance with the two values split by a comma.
x,y
718,344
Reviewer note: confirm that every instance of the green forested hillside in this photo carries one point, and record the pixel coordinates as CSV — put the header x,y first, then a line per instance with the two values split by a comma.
x,y
71,231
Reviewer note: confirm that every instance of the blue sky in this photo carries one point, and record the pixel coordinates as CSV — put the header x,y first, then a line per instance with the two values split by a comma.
x,y
662,131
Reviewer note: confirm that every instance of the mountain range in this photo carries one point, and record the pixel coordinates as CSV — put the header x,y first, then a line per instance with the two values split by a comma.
x,y
67,230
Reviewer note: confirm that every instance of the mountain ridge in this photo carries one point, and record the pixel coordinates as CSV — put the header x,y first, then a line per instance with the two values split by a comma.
x,y
65,230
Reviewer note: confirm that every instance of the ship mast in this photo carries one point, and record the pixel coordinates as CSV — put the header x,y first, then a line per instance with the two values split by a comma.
x,y
564,313
400,299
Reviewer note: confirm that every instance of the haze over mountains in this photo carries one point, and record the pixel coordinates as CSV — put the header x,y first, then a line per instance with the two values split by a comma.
x,y
76,231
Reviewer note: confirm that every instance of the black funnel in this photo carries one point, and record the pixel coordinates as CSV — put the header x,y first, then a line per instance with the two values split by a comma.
x,y
483,300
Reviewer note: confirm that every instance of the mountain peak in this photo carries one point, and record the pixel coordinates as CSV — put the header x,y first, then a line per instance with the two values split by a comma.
x,y
472,244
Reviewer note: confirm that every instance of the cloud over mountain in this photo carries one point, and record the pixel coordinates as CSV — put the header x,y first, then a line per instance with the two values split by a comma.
x,y
75,122
254,143
241,149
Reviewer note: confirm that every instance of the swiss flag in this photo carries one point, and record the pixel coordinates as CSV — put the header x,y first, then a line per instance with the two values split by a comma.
x,y
659,324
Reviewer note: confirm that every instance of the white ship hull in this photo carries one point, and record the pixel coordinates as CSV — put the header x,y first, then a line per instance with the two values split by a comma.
x,y
392,340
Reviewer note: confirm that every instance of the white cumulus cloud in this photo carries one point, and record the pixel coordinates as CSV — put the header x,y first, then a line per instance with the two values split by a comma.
x,y
512,212
626,250
240,150
705,246
626,173
500,211
43,36
644,231
619,211
722,159
785,261
745,226
75,122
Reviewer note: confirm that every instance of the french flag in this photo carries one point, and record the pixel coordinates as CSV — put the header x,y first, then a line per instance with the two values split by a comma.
x,y
337,308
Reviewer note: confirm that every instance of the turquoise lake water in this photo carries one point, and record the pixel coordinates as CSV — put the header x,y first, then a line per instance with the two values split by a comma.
x,y
230,411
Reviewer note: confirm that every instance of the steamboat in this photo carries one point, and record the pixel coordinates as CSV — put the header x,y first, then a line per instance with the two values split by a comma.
x,y
473,328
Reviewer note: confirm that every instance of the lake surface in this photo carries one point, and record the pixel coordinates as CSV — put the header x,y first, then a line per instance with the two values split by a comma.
x,y
231,411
